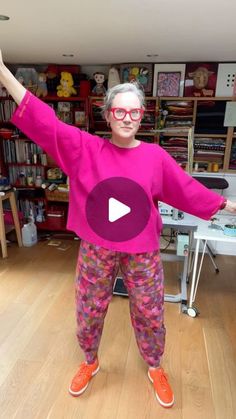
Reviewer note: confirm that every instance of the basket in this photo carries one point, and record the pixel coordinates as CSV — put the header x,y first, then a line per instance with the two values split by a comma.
x,y
57,196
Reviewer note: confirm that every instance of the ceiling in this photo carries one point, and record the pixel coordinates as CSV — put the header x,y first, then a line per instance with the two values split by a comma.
x,y
118,31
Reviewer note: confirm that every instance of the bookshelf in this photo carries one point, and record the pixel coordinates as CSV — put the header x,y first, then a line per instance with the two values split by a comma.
x,y
214,145
164,121
29,167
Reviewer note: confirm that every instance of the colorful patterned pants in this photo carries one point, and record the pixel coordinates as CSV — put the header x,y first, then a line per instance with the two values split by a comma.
x,y
143,277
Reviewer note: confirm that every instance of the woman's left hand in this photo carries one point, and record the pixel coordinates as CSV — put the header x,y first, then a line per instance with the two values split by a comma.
x,y
230,207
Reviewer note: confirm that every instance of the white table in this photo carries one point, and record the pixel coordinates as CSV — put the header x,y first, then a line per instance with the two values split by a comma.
x,y
204,234
187,225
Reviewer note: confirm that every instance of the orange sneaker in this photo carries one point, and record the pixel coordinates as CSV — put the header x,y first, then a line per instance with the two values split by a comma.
x,y
81,379
163,391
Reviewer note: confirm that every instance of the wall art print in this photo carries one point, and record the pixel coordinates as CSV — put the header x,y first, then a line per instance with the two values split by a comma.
x,y
200,79
140,73
168,79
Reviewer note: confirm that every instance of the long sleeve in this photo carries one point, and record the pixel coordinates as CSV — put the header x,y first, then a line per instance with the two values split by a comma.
x,y
38,122
181,191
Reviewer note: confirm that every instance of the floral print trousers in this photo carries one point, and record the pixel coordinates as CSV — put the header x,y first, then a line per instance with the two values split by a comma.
x,y
143,277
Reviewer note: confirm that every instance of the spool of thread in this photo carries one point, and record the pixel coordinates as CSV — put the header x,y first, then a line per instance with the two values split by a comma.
x,y
215,167
209,167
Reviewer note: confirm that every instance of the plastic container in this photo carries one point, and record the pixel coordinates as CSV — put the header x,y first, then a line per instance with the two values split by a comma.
x,y
29,234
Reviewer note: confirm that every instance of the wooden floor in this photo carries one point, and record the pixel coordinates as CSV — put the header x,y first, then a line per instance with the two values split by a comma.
x,y
39,353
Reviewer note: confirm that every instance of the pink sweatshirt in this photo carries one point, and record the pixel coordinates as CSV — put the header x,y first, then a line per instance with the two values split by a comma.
x,y
88,159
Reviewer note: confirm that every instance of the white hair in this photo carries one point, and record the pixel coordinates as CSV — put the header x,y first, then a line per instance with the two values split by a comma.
x,y
122,88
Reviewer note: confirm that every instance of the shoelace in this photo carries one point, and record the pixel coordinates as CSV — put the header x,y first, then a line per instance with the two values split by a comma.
x,y
164,381
83,371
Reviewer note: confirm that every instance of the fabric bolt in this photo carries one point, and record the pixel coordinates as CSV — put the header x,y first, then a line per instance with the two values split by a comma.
x,y
88,159
143,277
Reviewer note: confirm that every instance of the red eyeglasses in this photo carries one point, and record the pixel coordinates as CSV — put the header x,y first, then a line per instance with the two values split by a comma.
x,y
119,114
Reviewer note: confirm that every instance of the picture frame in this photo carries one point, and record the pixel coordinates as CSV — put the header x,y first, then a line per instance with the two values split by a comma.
x,y
66,117
79,117
226,80
141,73
168,83
165,69
200,79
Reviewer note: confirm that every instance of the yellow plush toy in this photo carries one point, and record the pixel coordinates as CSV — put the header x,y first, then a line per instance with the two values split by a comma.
x,y
66,89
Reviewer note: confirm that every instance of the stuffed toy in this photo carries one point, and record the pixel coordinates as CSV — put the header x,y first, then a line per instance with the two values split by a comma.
x,y
42,89
28,77
113,77
53,78
66,89
99,89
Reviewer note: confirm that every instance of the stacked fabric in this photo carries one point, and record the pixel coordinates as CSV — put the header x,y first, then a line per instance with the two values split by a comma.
x,y
210,150
180,114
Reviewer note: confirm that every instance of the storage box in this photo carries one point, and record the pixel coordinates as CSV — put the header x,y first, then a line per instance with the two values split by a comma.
x,y
57,196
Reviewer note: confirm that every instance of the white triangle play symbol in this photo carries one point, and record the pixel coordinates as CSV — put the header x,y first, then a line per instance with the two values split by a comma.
x,y
117,210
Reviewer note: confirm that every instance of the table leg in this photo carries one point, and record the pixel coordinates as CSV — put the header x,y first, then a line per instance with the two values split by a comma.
x,y
15,218
195,281
3,232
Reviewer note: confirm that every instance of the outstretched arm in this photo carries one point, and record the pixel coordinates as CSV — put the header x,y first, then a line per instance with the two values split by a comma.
x,y
14,88
63,142
187,194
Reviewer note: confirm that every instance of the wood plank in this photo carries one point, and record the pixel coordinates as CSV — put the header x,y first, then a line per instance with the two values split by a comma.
x,y
40,353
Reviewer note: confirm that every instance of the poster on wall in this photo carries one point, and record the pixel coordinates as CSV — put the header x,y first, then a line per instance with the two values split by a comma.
x,y
141,73
168,80
168,83
200,79
226,80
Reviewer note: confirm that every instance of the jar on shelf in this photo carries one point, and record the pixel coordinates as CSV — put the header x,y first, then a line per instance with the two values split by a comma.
x,y
38,181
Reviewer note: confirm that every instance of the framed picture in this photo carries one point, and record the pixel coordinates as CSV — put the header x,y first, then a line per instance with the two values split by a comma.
x,y
226,80
168,79
168,83
80,117
200,79
66,117
141,73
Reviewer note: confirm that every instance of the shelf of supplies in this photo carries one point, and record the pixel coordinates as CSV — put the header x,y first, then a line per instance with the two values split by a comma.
x,y
145,133
25,187
27,164
64,99
197,98
210,135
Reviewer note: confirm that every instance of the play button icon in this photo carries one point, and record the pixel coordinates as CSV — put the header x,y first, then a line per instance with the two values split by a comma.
x,y
118,209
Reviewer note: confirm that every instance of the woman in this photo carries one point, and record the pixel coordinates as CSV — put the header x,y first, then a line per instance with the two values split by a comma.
x,y
115,187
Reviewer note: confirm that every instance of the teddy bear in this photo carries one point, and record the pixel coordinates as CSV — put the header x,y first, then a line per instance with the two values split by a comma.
x,y
42,85
65,88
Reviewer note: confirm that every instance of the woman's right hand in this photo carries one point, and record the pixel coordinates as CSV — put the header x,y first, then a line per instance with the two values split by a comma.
x,y
1,60
14,88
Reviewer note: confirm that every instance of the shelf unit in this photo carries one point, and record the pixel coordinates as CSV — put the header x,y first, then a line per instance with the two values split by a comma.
x,y
73,110
213,143
214,146
22,160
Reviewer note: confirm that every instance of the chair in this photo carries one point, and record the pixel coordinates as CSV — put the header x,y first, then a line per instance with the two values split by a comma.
x,y
11,196
212,183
